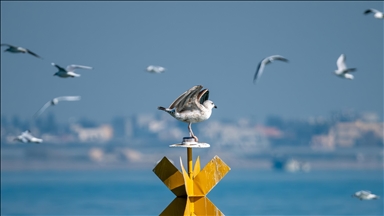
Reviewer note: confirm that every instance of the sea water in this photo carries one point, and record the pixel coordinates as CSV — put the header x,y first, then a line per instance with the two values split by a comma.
x,y
140,192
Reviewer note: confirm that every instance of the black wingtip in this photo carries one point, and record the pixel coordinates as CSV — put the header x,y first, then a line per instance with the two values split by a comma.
x,y
160,108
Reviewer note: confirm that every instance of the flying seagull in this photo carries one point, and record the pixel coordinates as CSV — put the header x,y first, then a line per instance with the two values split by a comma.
x,y
342,70
155,69
377,14
69,71
55,101
365,195
260,67
191,107
26,136
15,49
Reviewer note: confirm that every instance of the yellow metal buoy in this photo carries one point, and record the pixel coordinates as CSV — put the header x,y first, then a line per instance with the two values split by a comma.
x,y
191,188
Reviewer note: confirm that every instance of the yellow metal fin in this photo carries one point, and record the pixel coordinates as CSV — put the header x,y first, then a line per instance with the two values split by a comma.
x,y
196,169
177,207
211,174
187,181
171,176
203,206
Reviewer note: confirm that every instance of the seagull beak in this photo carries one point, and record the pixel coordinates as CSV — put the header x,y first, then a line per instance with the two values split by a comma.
x,y
215,107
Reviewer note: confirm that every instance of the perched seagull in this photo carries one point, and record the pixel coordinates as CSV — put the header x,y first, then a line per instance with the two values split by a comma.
x,y
342,70
55,101
26,136
260,67
191,107
155,69
377,14
69,71
365,195
15,49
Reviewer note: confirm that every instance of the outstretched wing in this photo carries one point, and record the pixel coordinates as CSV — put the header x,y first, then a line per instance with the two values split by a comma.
x,y
371,10
190,102
9,45
203,96
341,62
182,96
42,109
73,67
278,57
34,54
68,98
259,70
58,67
365,192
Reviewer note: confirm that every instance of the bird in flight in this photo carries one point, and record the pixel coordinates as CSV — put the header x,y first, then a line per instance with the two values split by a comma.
x,y
264,62
377,14
69,71
55,101
342,70
155,69
26,137
16,49
365,195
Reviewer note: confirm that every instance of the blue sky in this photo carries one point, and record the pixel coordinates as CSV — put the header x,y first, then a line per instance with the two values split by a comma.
x,y
215,44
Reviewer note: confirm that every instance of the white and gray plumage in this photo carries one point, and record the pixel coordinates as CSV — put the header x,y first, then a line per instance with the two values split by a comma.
x,y
69,71
26,137
267,60
191,107
16,49
55,101
365,195
342,70
155,69
377,14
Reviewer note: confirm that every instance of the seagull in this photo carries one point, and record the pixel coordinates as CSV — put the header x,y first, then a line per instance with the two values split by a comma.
x,y
26,136
69,71
377,14
15,49
155,69
342,70
365,195
191,107
264,62
55,101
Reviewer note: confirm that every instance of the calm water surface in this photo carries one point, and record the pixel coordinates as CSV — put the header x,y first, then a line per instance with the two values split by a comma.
x,y
138,192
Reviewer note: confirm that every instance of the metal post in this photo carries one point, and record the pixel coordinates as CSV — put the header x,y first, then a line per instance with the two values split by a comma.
x,y
189,158
190,173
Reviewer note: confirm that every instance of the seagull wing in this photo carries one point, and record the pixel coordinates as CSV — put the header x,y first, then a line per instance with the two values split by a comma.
x,y
190,101
32,53
28,136
278,57
9,45
203,96
58,67
41,110
68,98
341,62
181,97
259,70
371,10
73,67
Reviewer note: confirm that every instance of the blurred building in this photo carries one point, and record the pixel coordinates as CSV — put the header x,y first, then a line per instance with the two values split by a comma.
x,y
348,134
102,133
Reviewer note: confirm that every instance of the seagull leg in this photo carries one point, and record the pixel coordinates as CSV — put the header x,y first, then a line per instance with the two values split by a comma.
x,y
191,132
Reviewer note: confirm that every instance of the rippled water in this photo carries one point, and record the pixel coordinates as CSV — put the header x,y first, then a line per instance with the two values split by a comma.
x,y
140,192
